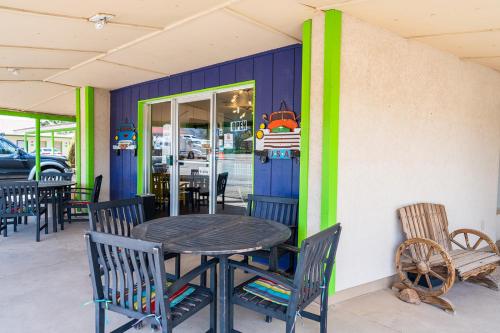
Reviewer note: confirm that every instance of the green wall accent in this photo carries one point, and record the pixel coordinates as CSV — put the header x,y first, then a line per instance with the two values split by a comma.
x,y
89,136
34,115
37,149
140,123
78,133
331,110
304,124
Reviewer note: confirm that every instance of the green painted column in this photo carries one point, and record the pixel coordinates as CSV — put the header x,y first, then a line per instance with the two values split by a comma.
x,y
26,143
304,125
331,110
53,142
89,136
37,149
78,134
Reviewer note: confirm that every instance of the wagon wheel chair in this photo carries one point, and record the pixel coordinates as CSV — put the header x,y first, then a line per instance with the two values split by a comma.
x,y
431,268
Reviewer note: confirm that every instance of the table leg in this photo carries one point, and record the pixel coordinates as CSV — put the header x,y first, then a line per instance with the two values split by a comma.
x,y
60,215
54,214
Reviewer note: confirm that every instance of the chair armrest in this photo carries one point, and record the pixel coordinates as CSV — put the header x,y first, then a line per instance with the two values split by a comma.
x,y
481,237
289,247
263,273
191,275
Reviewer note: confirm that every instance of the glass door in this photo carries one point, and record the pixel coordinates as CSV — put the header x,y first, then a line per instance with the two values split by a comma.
x,y
193,155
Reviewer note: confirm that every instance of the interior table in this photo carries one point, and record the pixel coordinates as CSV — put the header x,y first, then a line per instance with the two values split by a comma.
x,y
56,189
214,235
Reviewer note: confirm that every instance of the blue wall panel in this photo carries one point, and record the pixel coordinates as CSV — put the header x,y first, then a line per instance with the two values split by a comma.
x,y
277,76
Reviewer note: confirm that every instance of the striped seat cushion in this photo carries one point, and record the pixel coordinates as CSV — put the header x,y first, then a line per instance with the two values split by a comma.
x,y
268,290
175,299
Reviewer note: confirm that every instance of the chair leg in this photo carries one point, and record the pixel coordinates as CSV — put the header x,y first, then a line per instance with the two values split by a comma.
x,y
15,223
323,313
38,227
290,325
99,318
177,266
203,276
4,221
25,220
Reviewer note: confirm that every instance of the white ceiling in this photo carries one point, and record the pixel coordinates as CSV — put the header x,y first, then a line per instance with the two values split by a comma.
x,y
55,47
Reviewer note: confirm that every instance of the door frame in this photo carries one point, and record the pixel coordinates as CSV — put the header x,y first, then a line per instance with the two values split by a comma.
x,y
144,136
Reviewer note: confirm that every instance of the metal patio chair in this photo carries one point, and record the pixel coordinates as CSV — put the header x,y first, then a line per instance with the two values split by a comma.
x,y
55,176
119,217
316,258
282,210
21,199
127,275
80,198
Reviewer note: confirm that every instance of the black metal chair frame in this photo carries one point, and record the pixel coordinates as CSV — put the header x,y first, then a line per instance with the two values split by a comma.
x,y
21,199
52,193
282,210
316,258
119,217
118,264
77,203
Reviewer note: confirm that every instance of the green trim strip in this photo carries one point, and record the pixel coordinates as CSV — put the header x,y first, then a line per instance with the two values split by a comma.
x,y
26,143
35,115
53,142
304,125
140,124
57,130
331,110
78,138
37,149
89,136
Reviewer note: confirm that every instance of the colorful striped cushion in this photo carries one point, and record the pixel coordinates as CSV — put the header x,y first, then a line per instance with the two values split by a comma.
x,y
175,299
269,290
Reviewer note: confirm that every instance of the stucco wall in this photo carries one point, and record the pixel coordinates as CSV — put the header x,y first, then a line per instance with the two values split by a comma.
x,y
101,139
416,124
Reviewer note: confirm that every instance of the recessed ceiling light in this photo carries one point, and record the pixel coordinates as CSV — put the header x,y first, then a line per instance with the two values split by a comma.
x,y
100,20
13,71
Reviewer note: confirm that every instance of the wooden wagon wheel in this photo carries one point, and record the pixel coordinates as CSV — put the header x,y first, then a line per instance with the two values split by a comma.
x,y
426,259
469,239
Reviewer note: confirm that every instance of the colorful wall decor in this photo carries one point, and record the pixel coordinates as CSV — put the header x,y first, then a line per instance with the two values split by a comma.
x,y
125,138
278,136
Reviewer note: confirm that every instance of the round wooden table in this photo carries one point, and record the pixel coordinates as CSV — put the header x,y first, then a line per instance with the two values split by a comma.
x,y
56,187
214,235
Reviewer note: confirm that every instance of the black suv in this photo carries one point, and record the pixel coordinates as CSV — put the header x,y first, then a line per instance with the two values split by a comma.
x,y
15,163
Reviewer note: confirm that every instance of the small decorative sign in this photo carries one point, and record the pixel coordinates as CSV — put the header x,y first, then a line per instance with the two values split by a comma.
x,y
125,138
239,126
280,154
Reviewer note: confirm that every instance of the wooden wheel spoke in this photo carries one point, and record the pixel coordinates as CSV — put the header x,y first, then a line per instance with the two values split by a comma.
x,y
417,279
429,254
458,244
409,268
408,257
477,243
436,275
466,236
428,281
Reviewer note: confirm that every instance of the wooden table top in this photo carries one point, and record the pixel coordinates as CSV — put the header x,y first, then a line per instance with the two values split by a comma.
x,y
212,234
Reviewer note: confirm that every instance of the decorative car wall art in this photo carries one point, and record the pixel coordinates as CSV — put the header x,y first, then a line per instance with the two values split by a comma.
x,y
278,136
125,138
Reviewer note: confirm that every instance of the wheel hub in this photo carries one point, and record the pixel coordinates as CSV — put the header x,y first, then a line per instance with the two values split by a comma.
x,y
423,267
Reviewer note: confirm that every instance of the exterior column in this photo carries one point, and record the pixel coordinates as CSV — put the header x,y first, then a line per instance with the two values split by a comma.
x,y
93,124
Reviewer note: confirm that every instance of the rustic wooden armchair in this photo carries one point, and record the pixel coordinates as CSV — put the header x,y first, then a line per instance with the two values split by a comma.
x,y
119,217
431,258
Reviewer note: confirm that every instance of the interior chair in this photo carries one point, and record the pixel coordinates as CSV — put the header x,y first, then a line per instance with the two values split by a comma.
x,y
221,190
119,217
276,296
127,275
21,199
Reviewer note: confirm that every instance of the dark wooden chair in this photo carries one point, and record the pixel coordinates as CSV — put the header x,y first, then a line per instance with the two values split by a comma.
x,y
282,210
221,190
80,198
21,199
127,274
161,190
119,217
312,279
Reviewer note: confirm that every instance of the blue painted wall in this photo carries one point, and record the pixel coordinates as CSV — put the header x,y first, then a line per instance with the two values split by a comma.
x,y
278,77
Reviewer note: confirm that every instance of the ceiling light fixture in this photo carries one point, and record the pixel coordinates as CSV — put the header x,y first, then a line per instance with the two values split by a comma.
x,y
100,20
13,71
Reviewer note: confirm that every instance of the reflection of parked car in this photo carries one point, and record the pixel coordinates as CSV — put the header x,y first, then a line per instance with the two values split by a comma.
x,y
16,163
48,151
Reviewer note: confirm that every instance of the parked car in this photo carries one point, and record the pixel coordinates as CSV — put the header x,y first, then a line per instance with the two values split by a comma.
x,y
15,163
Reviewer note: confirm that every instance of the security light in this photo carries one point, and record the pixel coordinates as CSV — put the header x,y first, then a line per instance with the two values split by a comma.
x,y
100,20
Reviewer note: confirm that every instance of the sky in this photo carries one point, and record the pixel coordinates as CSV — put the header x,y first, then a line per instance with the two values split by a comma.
x,y
8,123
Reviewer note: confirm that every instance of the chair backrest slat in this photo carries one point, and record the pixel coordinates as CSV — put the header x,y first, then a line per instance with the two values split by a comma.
x,y
21,198
315,264
116,217
425,220
55,176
